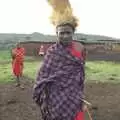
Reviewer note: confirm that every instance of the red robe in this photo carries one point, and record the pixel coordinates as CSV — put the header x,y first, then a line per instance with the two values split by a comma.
x,y
74,52
81,55
17,62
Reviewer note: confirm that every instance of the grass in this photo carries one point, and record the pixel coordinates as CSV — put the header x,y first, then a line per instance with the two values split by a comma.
x,y
96,71
6,76
102,71
5,55
30,69
5,73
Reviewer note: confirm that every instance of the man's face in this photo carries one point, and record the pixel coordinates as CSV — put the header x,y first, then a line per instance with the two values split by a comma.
x,y
65,34
18,45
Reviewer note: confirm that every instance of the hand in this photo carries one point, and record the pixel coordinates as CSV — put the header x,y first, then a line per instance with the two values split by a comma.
x,y
84,107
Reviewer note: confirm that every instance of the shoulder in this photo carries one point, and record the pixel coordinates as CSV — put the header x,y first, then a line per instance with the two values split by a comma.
x,y
52,48
22,48
78,46
13,50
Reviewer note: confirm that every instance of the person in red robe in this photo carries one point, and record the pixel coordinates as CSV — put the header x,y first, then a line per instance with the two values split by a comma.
x,y
18,62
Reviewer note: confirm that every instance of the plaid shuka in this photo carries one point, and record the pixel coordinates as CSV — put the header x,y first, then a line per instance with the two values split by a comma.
x,y
59,84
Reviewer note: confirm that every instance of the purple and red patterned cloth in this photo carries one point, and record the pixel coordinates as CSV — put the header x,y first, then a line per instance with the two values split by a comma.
x,y
60,84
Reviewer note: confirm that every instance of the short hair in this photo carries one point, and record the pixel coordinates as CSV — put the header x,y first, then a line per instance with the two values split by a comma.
x,y
66,24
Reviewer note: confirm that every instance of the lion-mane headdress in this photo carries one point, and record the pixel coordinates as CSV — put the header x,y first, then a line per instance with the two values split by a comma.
x,y
62,13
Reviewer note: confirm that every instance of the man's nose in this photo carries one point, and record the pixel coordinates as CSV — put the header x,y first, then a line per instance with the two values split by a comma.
x,y
66,36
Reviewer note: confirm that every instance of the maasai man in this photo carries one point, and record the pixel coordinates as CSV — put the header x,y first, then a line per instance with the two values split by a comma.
x,y
17,62
59,84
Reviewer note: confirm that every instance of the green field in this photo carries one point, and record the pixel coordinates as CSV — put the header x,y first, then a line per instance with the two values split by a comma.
x,y
101,71
97,71
5,55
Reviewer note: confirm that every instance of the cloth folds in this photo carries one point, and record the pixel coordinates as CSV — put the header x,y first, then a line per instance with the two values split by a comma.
x,y
59,84
17,61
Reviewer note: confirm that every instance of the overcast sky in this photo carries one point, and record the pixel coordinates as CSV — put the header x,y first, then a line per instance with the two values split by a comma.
x,y
27,16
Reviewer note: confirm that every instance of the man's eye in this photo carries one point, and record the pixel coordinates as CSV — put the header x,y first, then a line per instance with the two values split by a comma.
x,y
62,33
68,32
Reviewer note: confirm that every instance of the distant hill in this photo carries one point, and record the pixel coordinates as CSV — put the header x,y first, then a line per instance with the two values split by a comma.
x,y
8,40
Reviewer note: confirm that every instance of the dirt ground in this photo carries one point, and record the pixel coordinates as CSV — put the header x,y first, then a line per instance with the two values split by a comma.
x,y
17,103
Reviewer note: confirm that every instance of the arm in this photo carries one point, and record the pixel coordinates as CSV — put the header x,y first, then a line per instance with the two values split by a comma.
x,y
12,54
42,75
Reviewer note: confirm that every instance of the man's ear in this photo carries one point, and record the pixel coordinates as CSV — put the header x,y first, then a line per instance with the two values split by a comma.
x,y
57,34
56,31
